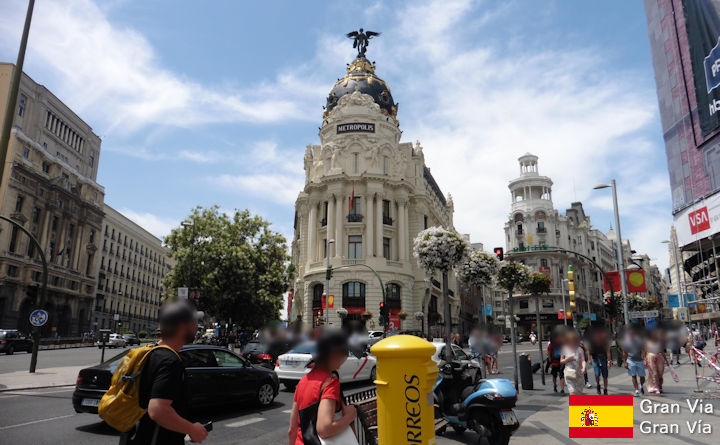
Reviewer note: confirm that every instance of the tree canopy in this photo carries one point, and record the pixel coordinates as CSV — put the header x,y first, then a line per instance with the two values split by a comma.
x,y
538,284
238,264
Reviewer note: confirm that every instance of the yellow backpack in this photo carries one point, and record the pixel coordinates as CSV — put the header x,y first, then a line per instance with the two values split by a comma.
x,y
120,406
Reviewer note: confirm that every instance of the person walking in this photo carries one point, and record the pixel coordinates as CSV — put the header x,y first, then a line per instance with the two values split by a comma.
x,y
162,384
599,341
554,353
634,359
319,391
573,359
655,362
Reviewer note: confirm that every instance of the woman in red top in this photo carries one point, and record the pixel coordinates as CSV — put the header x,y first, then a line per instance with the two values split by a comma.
x,y
332,351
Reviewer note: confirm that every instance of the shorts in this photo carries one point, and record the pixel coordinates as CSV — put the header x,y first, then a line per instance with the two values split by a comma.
x,y
558,370
600,367
636,368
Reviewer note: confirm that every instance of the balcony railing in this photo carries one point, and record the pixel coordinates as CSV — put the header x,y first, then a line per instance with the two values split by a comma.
x,y
387,220
323,222
353,301
354,218
541,230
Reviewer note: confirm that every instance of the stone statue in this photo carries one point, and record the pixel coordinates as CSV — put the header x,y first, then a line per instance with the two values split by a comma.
x,y
308,162
418,148
361,40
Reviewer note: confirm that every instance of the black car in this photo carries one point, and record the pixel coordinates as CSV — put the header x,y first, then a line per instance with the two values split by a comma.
x,y
265,354
214,375
131,339
12,340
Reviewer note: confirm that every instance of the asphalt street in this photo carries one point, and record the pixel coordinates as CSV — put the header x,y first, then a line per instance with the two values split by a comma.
x,y
47,417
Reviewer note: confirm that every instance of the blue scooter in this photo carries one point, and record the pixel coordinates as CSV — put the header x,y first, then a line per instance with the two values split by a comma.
x,y
485,407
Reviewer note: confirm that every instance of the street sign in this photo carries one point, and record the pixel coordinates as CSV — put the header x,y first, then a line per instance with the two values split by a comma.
x,y
651,323
183,292
116,317
38,317
644,314
593,316
508,322
488,309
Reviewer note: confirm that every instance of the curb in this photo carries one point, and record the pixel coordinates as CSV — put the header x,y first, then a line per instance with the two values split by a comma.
x,y
35,387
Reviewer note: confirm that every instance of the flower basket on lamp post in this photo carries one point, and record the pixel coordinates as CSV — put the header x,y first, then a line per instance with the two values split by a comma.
x,y
342,313
366,316
402,315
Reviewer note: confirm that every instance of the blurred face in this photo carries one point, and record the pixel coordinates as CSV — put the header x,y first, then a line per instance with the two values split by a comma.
x,y
336,359
187,331
572,340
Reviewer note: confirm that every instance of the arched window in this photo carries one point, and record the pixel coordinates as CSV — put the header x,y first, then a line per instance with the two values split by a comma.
x,y
392,293
518,217
353,294
317,296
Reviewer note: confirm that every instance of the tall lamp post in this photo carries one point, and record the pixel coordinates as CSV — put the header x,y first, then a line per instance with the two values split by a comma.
x,y
677,270
620,256
328,272
191,273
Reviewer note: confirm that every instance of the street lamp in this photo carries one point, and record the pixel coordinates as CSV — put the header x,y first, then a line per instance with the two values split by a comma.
x,y
187,223
621,259
327,281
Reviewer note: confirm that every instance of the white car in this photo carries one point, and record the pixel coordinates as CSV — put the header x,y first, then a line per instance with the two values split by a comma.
x,y
374,337
292,366
115,341
460,356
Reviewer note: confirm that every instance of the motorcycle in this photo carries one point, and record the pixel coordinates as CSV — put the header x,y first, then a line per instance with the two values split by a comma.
x,y
485,407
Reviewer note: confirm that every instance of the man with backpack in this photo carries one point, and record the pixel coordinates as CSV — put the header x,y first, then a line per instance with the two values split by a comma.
x,y
162,384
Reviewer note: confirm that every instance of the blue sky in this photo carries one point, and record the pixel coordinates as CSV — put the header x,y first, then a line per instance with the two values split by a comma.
x,y
214,102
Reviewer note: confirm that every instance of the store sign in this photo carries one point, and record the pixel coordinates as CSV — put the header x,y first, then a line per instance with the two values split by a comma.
x,y
702,19
698,221
357,127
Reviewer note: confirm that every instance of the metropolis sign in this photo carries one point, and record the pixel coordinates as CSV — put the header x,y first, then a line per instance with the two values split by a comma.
x,y
356,127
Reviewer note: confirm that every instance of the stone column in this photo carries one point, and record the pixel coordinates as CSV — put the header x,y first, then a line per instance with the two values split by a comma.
x,y
379,225
406,230
339,242
330,224
402,236
77,248
312,231
369,229
45,229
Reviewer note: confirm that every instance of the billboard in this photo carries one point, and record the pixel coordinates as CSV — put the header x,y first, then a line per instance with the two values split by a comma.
x,y
698,221
702,19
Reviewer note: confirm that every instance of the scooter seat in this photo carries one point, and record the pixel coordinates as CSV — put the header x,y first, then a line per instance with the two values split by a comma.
x,y
466,392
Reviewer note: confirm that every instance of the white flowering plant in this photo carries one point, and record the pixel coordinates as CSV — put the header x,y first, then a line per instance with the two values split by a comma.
x,y
439,249
512,275
478,268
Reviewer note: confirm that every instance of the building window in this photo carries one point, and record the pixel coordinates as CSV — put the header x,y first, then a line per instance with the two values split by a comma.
x,y
386,212
541,227
54,223
26,153
519,229
91,240
91,160
13,239
355,246
425,222
543,262
325,243
523,303
36,214
324,220
355,163
317,296
19,203
12,271
521,245
385,165
353,294
354,215
21,105
392,293
386,248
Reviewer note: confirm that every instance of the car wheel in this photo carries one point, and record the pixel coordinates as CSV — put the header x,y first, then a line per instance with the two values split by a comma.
x,y
290,386
459,429
373,374
10,350
266,394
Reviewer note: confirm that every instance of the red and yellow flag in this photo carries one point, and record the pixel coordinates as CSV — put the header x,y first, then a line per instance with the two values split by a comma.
x,y
600,417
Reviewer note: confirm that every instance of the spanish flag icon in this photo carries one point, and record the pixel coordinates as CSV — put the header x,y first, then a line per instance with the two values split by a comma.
x,y
600,417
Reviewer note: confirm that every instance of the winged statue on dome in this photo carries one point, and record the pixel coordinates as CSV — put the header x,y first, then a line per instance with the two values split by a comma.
x,y
361,40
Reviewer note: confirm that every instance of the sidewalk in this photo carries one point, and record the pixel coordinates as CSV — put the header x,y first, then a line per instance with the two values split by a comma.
x,y
42,378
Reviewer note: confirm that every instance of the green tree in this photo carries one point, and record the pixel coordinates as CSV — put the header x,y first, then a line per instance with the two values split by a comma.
x,y
238,264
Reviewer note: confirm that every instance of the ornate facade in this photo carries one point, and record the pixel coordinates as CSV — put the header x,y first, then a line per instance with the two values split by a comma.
x,y
370,194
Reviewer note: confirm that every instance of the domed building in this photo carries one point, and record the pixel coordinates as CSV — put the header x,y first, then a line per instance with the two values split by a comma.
x,y
366,197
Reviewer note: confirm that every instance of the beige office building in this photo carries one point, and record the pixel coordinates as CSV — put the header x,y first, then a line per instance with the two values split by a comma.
x,y
132,265
49,188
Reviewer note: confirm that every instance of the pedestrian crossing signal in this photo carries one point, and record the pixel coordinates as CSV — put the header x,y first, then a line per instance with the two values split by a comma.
x,y
499,253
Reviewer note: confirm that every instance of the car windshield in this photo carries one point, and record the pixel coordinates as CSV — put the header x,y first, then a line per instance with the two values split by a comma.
x,y
254,347
2,334
307,348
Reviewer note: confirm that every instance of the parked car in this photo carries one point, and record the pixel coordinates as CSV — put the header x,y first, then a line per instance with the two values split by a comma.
x,y
12,340
114,341
131,339
214,375
291,367
257,353
374,337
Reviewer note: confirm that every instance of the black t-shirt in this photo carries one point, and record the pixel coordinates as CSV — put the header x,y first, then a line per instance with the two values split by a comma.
x,y
163,377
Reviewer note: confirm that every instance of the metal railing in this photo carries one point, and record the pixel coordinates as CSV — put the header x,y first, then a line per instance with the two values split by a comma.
x,y
365,422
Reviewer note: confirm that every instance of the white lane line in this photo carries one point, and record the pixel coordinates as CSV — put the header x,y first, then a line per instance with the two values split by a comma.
x,y
35,421
12,394
287,411
245,422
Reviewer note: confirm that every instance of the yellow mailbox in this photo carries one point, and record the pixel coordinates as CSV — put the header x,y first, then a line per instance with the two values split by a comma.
x,y
406,375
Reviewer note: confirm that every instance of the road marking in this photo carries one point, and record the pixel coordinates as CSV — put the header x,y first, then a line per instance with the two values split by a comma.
x,y
287,411
11,394
34,422
245,422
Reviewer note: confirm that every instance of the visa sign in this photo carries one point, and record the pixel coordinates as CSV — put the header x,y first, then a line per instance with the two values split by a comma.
x,y
699,220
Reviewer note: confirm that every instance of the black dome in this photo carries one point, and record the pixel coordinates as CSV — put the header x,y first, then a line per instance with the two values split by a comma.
x,y
361,76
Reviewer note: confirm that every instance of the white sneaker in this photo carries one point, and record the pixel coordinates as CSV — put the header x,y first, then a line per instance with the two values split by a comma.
x,y
637,393
588,385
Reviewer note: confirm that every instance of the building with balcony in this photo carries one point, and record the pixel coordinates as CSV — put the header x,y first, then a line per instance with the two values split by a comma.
x,y
132,264
370,194
49,188
533,228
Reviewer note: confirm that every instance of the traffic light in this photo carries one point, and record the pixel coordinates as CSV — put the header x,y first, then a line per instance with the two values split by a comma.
x,y
328,273
609,306
571,288
119,323
383,313
499,253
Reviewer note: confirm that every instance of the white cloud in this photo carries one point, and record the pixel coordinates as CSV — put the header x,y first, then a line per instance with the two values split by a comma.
x,y
154,224
113,74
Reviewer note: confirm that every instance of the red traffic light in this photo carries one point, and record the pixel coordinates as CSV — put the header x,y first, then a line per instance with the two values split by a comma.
x,y
499,253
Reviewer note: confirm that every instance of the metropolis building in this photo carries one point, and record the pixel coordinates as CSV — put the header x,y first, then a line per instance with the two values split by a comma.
x,y
370,194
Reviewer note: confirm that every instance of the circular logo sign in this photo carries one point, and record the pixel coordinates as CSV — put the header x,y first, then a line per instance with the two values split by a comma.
x,y
39,317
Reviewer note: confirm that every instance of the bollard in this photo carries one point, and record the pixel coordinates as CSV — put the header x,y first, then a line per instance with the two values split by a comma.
x,y
406,375
526,377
